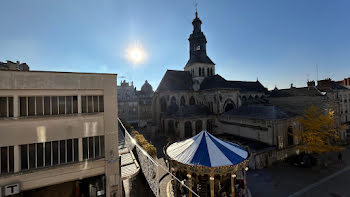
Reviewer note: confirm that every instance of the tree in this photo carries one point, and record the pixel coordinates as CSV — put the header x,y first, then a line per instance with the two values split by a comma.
x,y
319,133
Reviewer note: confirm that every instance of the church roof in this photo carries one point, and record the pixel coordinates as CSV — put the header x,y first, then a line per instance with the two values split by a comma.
x,y
187,111
175,80
218,82
266,112
199,58
206,150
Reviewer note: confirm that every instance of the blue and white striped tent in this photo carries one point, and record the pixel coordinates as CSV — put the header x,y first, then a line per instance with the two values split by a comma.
x,y
206,150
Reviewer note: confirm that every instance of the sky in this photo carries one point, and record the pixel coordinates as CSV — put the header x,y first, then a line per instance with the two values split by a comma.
x,y
277,41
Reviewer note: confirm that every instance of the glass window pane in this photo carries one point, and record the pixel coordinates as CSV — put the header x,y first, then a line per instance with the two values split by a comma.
x,y
95,99
24,157
69,151
3,107
75,104
11,157
97,146
10,106
68,104
31,156
4,160
54,103
83,104
101,103
85,148
47,106
55,152
23,106
89,104
62,151
91,147
47,153
31,106
102,142
62,103
39,106
40,156
76,150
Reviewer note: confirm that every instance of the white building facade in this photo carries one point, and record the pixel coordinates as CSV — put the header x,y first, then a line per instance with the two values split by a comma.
x,y
57,128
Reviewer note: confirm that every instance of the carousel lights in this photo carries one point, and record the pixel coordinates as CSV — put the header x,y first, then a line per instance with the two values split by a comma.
x,y
234,176
246,168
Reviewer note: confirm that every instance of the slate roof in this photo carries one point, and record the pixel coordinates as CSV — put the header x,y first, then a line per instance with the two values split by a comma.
x,y
267,112
305,91
218,82
175,80
187,111
199,58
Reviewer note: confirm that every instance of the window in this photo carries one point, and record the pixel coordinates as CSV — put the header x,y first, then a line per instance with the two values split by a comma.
x,y
55,152
6,159
54,104
69,107
47,105
91,104
23,106
69,150
93,147
24,157
6,107
47,154
62,151
31,156
39,105
62,104
31,106
40,154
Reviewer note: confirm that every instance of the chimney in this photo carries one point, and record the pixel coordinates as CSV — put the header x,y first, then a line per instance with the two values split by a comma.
x,y
311,83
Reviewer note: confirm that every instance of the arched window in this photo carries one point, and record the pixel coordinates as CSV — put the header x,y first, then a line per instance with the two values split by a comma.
x,y
199,71
188,129
171,127
209,126
192,101
162,103
244,100
229,104
208,72
198,126
182,101
173,100
211,71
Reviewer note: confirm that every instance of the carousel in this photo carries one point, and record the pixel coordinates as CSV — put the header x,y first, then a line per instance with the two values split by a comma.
x,y
208,165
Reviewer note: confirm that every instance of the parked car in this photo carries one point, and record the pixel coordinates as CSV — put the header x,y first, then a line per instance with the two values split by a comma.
x,y
302,160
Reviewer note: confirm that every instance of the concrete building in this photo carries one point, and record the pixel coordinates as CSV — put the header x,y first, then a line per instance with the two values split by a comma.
x,y
134,106
58,128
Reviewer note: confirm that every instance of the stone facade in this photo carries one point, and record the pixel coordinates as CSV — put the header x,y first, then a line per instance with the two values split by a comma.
x,y
9,65
134,106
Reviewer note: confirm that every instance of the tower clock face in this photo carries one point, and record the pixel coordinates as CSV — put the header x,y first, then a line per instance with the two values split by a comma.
x,y
198,48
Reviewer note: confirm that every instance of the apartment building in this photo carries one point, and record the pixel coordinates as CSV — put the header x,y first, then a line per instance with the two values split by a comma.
x,y
58,128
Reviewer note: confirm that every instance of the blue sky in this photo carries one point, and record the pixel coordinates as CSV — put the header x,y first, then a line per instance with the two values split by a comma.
x,y
278,41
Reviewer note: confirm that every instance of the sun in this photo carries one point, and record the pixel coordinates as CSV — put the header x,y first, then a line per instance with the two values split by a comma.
x,y
136,55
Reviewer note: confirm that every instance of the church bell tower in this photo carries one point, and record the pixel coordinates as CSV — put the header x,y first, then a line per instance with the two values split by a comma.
x,y
199,64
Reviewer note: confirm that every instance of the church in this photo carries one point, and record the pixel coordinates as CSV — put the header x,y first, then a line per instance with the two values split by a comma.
x,y
187,101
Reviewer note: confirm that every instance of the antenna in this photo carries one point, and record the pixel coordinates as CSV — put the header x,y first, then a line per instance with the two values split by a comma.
x,y
196,5
317,71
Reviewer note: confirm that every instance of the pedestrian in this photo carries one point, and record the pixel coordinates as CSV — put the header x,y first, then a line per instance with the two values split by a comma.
x,y
340,157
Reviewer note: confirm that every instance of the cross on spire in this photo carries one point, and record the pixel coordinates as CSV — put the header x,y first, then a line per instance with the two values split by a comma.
x,y
196,5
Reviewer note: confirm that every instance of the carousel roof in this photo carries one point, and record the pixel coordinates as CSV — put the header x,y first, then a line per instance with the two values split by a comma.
x,y
206,150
